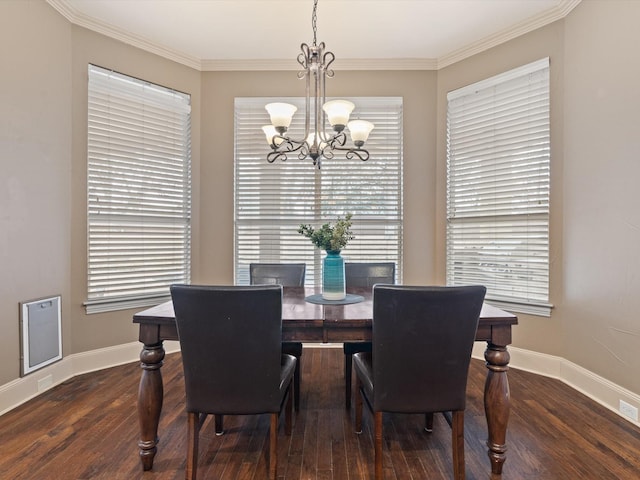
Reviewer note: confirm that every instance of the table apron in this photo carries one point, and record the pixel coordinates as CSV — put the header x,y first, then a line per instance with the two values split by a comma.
x,y
495,334
153,333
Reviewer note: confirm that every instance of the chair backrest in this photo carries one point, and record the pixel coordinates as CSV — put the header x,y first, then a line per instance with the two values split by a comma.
x,y
422,341
368,274
230,337
285,274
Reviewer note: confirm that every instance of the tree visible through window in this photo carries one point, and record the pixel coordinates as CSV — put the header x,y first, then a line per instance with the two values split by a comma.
x,y
498,151
272,200
138,191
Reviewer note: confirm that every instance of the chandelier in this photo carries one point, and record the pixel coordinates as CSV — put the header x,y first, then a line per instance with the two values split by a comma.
x,y
318,142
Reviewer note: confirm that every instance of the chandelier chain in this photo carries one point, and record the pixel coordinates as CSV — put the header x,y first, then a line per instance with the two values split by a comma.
x,y
314,19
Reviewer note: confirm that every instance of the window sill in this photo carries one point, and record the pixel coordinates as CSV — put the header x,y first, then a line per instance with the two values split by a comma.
x,y
111,305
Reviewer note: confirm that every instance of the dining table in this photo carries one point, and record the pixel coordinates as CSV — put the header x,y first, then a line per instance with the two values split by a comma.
x,y
304,319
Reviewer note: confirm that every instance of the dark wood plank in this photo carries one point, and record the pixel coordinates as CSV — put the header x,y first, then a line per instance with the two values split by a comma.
x,y
87,428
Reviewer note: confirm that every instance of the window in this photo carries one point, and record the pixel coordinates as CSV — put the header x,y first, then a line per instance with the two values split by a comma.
x,y
272,200
498,188
139,191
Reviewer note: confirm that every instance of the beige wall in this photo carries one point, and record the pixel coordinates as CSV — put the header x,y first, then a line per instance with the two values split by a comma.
x,y
35,161
601,217
595,220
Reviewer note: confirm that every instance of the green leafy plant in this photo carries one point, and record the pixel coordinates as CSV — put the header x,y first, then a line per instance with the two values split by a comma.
x,y
328,237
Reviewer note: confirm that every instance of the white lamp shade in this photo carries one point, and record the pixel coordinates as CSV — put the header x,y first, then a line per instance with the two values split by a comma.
x,y
338,111
269,133
360,130
281,113
322,138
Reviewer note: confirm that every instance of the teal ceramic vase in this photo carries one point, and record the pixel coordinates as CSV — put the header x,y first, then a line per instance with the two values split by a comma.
x,y
333,287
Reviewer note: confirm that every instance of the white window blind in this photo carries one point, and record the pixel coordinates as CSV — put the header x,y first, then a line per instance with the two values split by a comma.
x,y
498,188
139,191
272,200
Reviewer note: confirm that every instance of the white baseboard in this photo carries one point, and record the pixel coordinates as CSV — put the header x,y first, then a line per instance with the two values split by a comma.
x,y
595,387
599,389
23,389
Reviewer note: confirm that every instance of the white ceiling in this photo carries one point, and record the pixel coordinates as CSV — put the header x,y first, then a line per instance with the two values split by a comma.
x,y
266,34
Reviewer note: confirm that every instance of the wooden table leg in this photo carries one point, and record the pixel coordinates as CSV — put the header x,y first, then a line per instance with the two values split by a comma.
x,y
150,395
497,404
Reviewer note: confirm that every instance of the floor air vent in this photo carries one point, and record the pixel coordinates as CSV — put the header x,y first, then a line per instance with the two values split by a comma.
x,y
40,333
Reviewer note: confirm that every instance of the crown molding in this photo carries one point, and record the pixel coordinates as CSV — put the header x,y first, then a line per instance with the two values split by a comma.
x,y
248,65
340,64
533,23
74,16
77,18
387,64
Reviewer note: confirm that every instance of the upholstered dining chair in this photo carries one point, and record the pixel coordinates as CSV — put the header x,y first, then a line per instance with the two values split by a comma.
x,y
422,341
287,275
230,339
362,275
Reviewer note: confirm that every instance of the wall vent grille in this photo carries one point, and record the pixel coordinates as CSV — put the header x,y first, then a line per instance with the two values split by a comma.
x,y
40,333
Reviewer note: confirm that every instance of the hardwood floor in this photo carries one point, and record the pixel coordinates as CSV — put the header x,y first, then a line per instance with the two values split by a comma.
x,y
87,428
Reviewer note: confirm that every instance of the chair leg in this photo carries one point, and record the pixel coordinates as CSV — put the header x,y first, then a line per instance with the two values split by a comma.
x,y
296,384
358,406
273,447
428,422
377,418
348,367
288,414
457,441
219,419
193,421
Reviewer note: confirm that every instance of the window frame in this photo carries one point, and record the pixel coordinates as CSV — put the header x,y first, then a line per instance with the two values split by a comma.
x,y
326,194
498,187
138,191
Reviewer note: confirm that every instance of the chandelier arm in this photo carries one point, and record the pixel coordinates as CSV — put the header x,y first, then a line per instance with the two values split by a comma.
x,y
327,152
303,60
352,153
279,152
308,65
275,155
290,145
318,121
361,153
304,151
338,140
274,144
325,135
327,60
317,105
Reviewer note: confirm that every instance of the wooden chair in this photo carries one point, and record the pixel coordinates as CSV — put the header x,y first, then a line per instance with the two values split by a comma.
x,y
362,275
230,340
287,275
422,341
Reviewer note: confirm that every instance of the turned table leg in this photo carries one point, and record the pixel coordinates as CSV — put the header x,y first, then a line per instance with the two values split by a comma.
x,y
150,395
497,403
